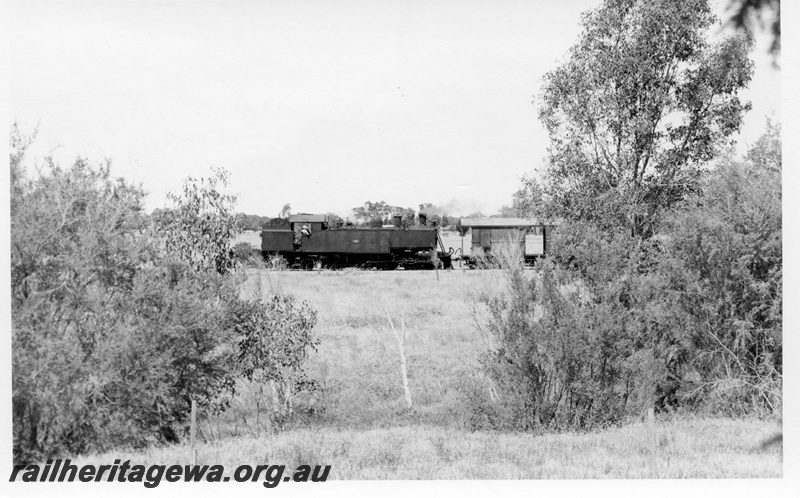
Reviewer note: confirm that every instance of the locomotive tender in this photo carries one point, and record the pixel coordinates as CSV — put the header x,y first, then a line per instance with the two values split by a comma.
x,y
307,241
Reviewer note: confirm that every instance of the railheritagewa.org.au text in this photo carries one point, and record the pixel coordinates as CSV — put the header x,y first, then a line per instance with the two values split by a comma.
x,y
59,470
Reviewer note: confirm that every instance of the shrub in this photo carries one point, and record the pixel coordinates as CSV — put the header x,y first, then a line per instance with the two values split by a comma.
x,y
276,262
76,247
273,342
587,338
611,323
118,325
202,225
730,239
245,254
171,348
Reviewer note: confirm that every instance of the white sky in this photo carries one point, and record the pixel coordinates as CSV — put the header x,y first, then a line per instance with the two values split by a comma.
x,y
324,105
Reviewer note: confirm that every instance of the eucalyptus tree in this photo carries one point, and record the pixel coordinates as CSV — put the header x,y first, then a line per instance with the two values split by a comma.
x,y
637,109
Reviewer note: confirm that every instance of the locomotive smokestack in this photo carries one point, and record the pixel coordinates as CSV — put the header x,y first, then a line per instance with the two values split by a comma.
x,y
423,219
397,220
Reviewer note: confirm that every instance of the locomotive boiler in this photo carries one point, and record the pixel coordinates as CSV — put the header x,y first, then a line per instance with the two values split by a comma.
x,y
308,241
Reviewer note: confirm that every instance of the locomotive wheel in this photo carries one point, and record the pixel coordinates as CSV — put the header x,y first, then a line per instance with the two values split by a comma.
x,y
307,264
341,262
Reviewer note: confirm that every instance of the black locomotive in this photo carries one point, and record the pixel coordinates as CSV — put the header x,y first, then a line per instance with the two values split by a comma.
x,y
308,241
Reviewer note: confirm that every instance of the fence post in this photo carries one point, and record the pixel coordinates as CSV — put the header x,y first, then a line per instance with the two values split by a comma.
x,y
401,344
651,440
193,430
403,356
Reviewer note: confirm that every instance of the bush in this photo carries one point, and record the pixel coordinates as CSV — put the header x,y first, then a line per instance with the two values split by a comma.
x,y
117,325
77,245
201,227
276,262
730,239
610,324
171,348
245,254
588,338
273,342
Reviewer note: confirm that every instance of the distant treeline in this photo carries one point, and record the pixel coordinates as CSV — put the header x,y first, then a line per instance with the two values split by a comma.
x,y
379,213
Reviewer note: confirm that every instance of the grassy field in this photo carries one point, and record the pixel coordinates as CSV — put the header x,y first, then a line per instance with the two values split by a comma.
x,y
357,364
697,448
359,422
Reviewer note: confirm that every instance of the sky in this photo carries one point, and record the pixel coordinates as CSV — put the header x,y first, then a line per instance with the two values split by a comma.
x,y
323,105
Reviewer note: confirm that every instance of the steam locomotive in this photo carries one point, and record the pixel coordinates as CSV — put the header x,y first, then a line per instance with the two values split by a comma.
x,y
308,241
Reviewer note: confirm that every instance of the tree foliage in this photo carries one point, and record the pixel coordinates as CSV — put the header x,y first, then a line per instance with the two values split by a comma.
x,y
117,324
506,211
381,211
170,346
274,339
750,15
588,339
636,110
730,237
73,250
110,341
252,221
612,323
286,210
201,226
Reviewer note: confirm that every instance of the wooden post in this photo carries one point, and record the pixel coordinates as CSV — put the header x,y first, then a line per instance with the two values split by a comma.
x,y
461,261
193,430
651,437
401,343
435,257
403,369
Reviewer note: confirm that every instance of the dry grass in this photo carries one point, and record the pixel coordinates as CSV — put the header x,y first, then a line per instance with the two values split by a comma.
x,y
361,426
357,363
695,448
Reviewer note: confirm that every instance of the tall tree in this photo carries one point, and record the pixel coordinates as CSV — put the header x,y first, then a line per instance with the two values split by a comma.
x,y
637,108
